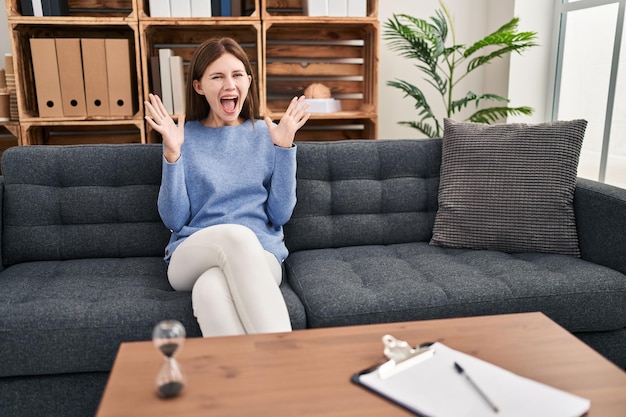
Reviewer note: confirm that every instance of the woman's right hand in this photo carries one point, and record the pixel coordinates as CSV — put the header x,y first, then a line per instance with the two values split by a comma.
x,y
173,134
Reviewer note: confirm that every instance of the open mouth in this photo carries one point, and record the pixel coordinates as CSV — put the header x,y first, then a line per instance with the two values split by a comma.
x,y
229,104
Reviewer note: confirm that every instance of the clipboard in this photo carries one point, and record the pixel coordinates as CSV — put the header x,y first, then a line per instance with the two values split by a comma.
x,y
425,381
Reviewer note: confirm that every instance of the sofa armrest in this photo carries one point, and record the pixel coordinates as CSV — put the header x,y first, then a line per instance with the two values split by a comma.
x,y
601,222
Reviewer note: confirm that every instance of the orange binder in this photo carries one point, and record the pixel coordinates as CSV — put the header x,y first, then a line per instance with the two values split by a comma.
x,y
70,66
46,72
95,75
119,77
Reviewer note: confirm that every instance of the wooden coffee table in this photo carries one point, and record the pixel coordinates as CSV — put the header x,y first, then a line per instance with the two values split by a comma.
x,y
307,372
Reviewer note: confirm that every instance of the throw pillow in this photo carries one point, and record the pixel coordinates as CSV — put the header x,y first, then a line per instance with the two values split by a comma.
x,y
509,187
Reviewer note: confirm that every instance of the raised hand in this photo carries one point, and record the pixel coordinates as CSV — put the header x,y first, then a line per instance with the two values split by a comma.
x,y
173,134
294,118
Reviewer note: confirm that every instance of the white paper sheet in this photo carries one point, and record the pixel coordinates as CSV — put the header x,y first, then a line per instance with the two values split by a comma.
x,y
434,388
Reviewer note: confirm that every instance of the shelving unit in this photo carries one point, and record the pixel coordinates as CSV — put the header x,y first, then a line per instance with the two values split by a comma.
x,y
83,132
11,128
339,52
116,19
294,9
288,50
9,136
184,35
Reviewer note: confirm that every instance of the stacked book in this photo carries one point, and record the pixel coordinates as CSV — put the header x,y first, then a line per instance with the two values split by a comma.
x,y
195,8
353,8
44,8
168,80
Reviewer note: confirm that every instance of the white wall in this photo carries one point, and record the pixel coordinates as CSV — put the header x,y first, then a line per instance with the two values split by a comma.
x,y
471,20
496,74
531,77
524,80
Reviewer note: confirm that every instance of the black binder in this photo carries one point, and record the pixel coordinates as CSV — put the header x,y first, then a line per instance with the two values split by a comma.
x,y
55,8
27,8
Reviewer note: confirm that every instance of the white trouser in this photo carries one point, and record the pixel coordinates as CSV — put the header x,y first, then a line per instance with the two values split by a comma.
x,y
234,282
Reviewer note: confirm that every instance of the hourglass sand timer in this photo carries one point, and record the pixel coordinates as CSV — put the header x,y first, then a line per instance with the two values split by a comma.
x,y
168,336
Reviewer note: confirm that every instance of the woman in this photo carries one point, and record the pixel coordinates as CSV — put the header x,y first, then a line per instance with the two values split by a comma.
x,y
228,187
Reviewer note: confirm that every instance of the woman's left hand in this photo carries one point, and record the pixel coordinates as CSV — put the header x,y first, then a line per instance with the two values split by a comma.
x,y
294,118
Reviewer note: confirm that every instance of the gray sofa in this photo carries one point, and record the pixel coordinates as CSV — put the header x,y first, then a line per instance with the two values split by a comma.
x,y
82,267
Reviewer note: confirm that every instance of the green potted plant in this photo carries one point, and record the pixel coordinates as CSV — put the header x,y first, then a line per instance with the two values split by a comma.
x,y
444,66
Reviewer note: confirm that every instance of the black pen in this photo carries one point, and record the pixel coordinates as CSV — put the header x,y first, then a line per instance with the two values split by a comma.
x,y
461,371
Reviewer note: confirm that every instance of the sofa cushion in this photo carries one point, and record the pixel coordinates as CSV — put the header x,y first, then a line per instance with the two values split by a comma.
x,y
509,187
71,316
364,192
63,202
418,281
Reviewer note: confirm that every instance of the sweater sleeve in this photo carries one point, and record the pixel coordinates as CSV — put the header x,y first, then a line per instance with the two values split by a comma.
x,y
282,193
173,202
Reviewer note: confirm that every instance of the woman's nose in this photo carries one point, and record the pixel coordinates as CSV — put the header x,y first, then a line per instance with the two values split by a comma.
x,y
229,83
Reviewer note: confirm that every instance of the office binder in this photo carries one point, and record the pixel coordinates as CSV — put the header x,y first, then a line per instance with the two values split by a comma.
x,y
178,84
36,8
5,112
166,79
338,8
8,64
46,72
216,7
155,76
5,98
315,7
236,8
201,8
357,8
26,7
44,8
70,66
95,75
225,9
426,381
180,8
119,77
160,8
55,8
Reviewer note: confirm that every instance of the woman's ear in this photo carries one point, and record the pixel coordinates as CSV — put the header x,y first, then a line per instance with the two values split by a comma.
x,y
197,87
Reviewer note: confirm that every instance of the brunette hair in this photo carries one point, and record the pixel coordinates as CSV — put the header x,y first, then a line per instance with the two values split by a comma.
x,y
209,51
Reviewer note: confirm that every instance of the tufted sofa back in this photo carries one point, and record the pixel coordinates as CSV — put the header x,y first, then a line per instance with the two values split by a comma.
x,y
84,201
362,192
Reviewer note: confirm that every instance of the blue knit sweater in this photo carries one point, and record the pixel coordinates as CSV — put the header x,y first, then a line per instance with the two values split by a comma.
x,y
231,174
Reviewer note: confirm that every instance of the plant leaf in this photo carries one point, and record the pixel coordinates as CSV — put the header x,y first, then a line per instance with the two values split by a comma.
x,y
421,103
505,35
425,128
425,41
416,38
506,38
493,114
470,97
483,59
